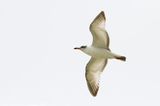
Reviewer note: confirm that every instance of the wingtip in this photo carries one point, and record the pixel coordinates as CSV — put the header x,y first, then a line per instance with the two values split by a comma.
x,y
94,94
98,20
102,12
93,91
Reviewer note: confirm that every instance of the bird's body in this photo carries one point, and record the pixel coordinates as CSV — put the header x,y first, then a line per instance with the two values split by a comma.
x,y
99,52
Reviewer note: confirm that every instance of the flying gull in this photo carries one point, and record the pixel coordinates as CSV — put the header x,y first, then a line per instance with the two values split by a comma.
x,y
99,52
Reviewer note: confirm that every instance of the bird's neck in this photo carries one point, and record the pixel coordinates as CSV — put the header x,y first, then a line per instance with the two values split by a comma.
x,y
91,51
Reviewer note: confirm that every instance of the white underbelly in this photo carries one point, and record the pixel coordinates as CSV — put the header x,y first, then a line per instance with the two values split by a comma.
x,y
100,53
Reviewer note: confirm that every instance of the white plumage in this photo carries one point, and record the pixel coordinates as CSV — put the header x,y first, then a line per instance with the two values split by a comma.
x,y
99,52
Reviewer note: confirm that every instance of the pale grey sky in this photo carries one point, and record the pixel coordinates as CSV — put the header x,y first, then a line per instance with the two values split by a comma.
x,y
38,66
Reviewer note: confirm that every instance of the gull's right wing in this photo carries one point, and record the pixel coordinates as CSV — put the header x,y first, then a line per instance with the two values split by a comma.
x,y
97,28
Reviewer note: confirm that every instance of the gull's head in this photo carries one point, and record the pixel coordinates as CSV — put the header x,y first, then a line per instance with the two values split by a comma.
x,y
80,48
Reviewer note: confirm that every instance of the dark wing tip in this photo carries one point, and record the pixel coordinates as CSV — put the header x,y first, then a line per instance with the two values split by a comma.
x,y
95,93
92,90
103,14
98,19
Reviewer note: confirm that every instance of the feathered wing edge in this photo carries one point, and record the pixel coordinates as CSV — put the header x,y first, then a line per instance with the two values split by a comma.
x,y
93,71
99,21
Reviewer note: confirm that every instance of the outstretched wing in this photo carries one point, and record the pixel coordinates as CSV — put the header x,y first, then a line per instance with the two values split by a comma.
x,y
97,28
93,70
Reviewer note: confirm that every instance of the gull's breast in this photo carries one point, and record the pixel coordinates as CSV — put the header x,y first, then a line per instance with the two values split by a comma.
x,y
98,52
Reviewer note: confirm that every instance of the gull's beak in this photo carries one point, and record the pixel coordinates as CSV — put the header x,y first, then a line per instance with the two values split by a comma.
x,y
76,48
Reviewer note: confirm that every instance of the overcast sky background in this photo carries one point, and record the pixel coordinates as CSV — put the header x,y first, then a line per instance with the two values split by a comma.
x,y
38,66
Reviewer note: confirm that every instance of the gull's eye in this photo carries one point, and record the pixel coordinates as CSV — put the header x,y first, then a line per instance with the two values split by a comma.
x,y
83,46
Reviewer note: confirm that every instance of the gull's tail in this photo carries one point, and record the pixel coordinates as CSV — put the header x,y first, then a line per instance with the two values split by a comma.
x,y
122,58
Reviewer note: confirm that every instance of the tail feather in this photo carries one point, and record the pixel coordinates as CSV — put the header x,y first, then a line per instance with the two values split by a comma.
x,y
122,58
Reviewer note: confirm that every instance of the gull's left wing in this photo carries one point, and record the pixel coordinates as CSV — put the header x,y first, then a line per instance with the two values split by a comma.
x,y
93,70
